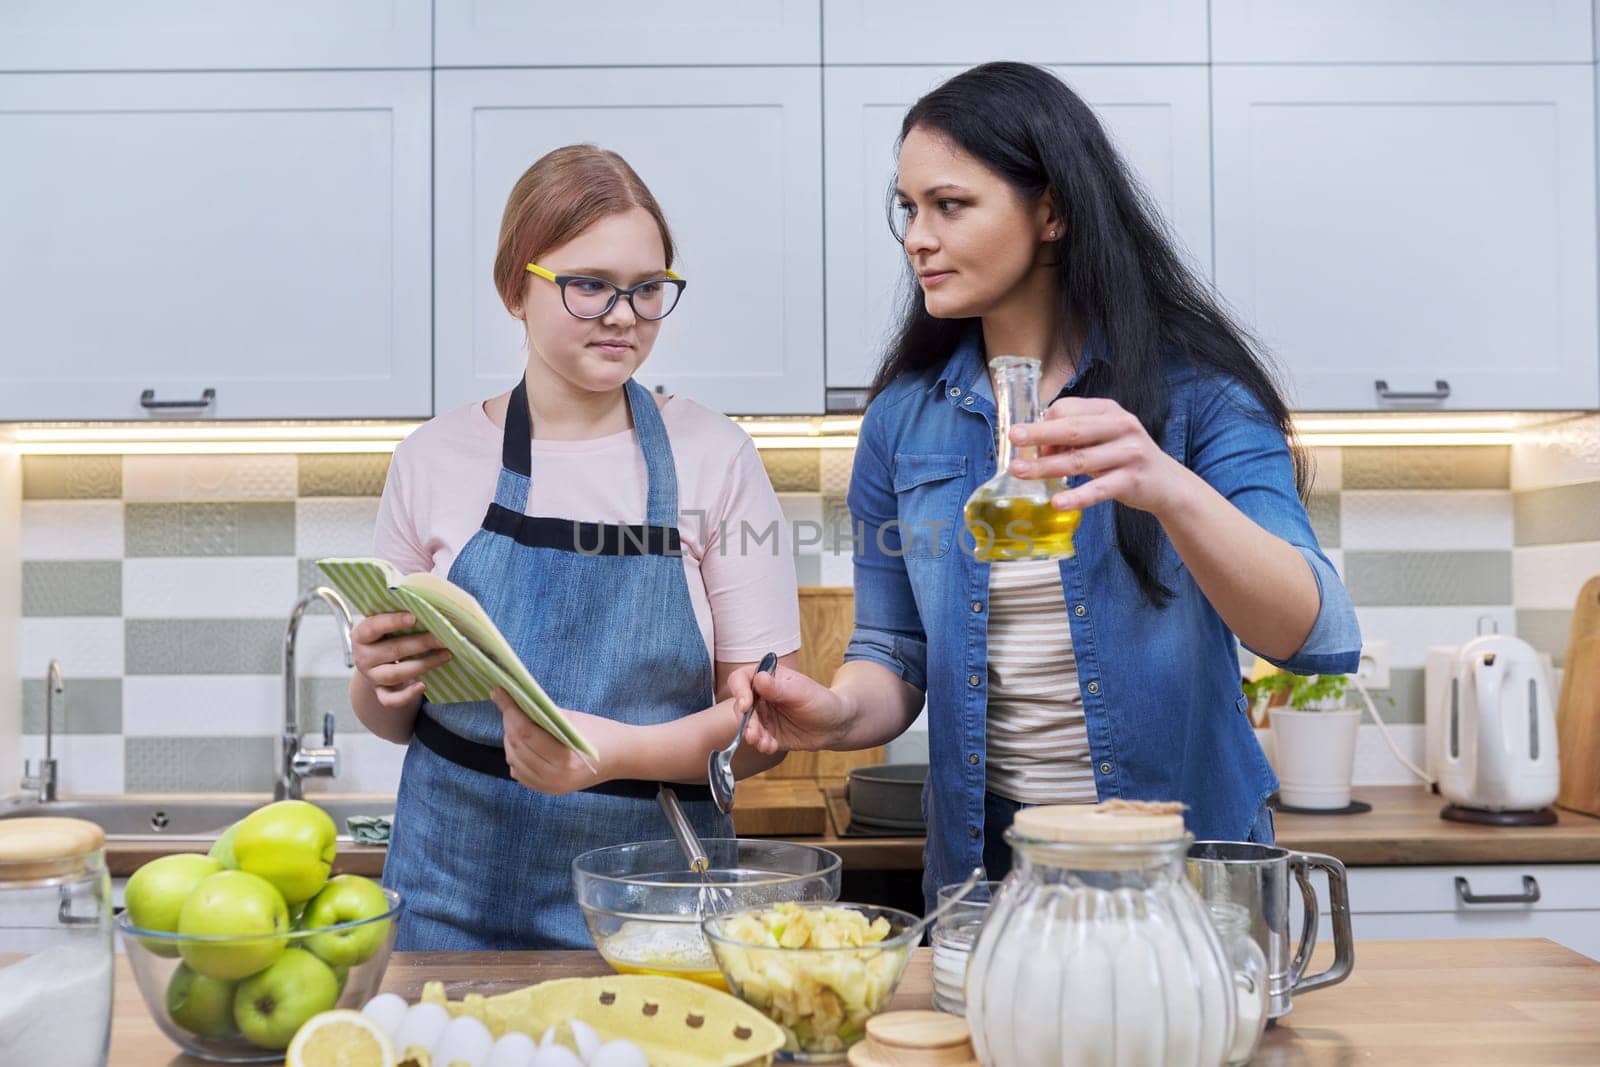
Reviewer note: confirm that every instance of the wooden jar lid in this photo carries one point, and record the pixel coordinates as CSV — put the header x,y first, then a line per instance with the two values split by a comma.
x,y
915,1039
1114,822
47,847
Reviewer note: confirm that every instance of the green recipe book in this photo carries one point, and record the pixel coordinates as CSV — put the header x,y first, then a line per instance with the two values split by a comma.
x,y
481,659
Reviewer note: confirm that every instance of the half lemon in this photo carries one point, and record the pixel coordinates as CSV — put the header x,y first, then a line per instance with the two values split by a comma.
x,y
341,1038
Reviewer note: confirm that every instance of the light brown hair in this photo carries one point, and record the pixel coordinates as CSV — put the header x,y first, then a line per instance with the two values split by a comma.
x,y
564,193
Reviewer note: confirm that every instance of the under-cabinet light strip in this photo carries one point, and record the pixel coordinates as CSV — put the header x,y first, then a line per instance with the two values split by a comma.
x,y
832,432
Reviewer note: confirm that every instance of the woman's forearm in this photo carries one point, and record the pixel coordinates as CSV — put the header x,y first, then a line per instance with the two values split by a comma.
x,y
391,724
1259,584
879,705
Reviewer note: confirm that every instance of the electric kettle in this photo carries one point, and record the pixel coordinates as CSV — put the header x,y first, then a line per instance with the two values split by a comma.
x,y
1496,750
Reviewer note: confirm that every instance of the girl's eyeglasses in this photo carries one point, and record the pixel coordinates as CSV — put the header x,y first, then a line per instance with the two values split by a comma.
x,y
591,298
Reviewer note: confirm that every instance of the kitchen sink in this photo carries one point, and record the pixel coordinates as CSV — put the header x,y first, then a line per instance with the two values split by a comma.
x,y
160,815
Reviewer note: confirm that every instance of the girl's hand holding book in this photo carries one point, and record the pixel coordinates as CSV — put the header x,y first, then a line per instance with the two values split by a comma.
x,y
394,661
542,763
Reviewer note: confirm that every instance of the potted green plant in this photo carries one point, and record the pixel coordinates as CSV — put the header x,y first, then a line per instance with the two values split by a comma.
x,y
1313,736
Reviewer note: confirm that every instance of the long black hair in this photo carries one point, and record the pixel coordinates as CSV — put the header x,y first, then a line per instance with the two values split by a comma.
x,y
1117,268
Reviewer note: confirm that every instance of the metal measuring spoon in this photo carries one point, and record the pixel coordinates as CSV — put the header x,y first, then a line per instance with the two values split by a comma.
x,y
719,767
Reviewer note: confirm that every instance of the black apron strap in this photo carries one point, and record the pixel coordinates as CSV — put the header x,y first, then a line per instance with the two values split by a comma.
x,y
491,760
516,448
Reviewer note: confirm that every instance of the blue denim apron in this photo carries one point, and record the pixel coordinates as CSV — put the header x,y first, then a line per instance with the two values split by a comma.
x,y
601,616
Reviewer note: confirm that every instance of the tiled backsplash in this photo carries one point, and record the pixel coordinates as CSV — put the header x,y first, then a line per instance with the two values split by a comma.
x,y
163,584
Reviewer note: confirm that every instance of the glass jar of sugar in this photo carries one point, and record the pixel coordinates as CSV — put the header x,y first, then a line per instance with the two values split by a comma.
x,y
1096,949
1250,979
55,942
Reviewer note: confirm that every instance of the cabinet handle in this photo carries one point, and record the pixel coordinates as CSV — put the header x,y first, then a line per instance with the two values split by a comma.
x,y
1529,894
148,401
1441,391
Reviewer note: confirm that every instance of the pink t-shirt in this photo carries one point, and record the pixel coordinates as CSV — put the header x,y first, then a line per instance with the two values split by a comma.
x,y
741,577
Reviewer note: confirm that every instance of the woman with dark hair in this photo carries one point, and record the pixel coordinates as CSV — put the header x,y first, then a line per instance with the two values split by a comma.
x,y
1113,673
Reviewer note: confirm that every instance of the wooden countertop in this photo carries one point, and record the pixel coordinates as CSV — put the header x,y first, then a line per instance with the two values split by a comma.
x,y
1403,828
1408,1002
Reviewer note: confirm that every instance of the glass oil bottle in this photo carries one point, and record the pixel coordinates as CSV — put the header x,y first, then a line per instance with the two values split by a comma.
x,y
1011,518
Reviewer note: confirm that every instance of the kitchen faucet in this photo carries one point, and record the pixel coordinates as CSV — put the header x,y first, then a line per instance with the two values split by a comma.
x,y
43,781
298,760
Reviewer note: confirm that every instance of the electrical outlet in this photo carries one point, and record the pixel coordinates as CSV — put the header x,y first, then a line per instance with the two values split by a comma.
x,y
1373,670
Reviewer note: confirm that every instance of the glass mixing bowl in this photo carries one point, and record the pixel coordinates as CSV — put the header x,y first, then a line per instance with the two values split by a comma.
x,y
644,905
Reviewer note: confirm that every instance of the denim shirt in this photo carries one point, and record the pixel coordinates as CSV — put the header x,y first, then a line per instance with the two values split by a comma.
x,y
1160,686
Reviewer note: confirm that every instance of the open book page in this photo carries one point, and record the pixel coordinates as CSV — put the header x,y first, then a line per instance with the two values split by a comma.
x,y
374,587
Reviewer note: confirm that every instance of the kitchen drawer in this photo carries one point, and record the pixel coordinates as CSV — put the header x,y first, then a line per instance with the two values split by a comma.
x,y
1562,887
1421,902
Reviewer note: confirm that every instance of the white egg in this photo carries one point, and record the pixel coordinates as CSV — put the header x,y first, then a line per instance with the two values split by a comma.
x,y
464,1040
549,1037
556,1056
387,1010
514,1049
618,1054
421,1026
585,1038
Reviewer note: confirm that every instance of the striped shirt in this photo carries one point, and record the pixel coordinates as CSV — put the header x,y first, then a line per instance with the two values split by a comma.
x,y
1037,744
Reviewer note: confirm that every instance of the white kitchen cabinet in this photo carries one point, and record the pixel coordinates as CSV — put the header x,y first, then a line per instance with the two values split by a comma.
x,y
1033,31
540,33
732,155
1401,31
1157,116
1410,226
104,35
1405,903
261,235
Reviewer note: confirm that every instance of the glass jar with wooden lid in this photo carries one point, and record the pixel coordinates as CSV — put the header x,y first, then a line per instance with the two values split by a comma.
x,y
55,942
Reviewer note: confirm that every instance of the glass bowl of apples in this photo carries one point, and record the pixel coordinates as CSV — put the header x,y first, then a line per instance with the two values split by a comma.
x,y
239,998
234,950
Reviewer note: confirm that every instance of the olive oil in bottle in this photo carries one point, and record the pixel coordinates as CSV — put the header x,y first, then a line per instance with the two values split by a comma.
x,y
1011,518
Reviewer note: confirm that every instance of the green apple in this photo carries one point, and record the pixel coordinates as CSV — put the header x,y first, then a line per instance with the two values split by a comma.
x,y
222,849
157,890
347,898
200,1004
271,1006
291,844
238,905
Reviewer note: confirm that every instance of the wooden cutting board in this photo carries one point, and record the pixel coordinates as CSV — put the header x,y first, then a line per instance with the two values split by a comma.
x,y
779,807
1578,713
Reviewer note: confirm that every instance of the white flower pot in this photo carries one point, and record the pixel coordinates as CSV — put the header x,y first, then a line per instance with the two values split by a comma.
x,y
1314,754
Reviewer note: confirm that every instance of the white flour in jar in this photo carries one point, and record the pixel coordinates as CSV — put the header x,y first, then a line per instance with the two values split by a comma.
x,y
55,1006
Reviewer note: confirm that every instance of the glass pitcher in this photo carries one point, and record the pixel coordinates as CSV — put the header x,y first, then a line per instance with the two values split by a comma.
x,y
1097,950
55,943
1011,518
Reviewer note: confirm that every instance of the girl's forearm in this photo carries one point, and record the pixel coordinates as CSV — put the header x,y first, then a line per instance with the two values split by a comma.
x,y
391,724
676,751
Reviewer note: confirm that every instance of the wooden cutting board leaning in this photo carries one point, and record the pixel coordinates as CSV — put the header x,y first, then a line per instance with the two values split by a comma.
x,y
1578,713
